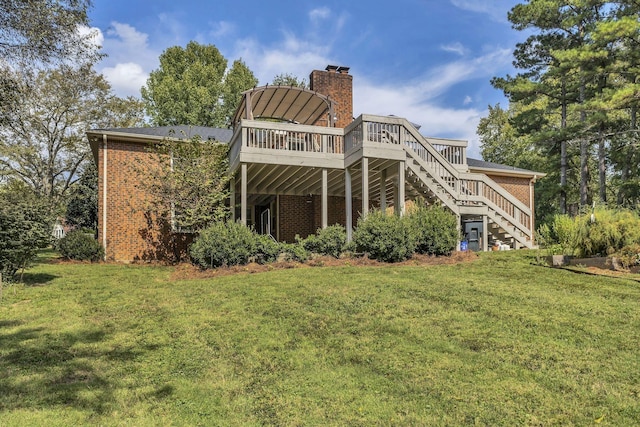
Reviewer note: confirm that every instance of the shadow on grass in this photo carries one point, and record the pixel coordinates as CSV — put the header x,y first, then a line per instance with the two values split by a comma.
x,y
37,279
40,367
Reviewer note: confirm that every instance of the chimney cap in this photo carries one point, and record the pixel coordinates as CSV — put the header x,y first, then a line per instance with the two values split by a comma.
x,y
332,68
343,70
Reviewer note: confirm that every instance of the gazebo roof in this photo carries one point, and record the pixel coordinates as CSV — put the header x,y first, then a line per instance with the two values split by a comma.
x,y
287,103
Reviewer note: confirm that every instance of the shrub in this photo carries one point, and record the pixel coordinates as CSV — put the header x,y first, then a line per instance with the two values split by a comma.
x,y
267,249
80,245
224,244
25,227
601,231
559,236
435,229
295,251
630,256
327,241
387,238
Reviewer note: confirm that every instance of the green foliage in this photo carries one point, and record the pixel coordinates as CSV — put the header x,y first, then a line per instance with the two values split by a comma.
x,y
630,255
82,207
327,241
191,87
286,79
387,238
295,251
25,227
43,141
37,31
599,232
572,102
224,244
606,232
435,229
267,249
190,176
80,245
559,236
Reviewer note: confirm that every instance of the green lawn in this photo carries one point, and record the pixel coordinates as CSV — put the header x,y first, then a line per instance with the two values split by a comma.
x,y
493,342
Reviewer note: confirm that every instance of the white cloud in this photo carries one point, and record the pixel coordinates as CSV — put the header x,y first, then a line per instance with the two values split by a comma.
x,y
130,59
319,14
456,47
418,100
467,100
293,56
496,9
222,28
94,35
126,78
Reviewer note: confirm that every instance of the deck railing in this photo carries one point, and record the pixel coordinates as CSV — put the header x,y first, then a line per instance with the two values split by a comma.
x,y
288,137
440,160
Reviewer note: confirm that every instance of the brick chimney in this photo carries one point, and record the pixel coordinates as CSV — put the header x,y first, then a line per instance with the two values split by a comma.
x,y
335,82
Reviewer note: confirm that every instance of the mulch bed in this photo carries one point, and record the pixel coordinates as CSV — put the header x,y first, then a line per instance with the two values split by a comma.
x,y
189,271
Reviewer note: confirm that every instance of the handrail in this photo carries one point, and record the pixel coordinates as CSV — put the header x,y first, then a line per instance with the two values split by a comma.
x,y
287,136
455,182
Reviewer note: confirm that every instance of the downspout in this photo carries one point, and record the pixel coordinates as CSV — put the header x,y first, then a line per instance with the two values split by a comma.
x,y
531,205
104,195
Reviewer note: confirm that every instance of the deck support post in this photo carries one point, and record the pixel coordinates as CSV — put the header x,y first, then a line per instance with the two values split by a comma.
x,y
243,193
325,198
485,235
383,190
401,183
232,197
347,202
365,186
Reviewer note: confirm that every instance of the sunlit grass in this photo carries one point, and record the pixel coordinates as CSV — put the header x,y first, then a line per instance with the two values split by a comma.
x,y
494,342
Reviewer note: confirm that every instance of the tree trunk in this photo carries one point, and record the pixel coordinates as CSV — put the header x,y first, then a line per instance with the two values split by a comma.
x,y
563,153
584,149
602,167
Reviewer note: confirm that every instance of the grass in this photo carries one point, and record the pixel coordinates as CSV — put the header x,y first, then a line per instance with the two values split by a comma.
x,y
493,342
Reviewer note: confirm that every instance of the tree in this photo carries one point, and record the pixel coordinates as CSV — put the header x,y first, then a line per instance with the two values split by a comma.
x,y
192,87
25,227
42,31
44,142
286,79
575,60
187,181
82,207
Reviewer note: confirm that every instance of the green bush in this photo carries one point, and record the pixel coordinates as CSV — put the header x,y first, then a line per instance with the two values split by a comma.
x,y
630,256
606,231
267,249
387,238
295,251
224,244
80,245
327,241
559,237
435,229
25,227
598,232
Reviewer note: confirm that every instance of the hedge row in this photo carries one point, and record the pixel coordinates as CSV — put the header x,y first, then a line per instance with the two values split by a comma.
x,y
428,230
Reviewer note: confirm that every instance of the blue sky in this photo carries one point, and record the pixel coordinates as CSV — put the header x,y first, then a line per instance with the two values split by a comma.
x,y
427,60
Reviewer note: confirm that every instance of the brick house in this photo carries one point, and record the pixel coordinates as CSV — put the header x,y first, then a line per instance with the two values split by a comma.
x,y
310,165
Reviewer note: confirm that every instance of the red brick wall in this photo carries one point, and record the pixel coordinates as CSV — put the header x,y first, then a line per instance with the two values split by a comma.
x,y
296,217
302,215
133,233
339,87
519,187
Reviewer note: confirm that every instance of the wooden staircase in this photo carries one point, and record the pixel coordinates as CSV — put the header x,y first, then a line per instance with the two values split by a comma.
x,y
430,175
